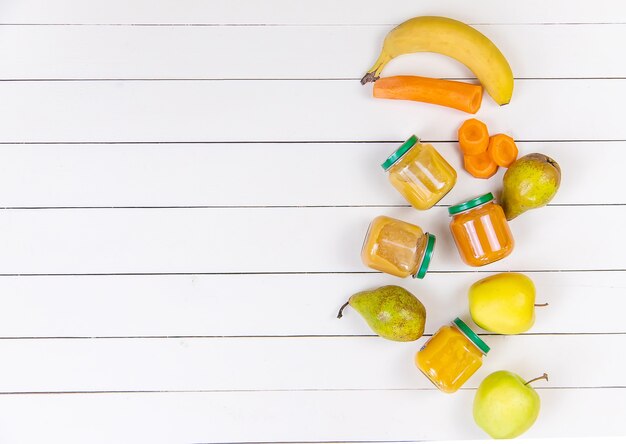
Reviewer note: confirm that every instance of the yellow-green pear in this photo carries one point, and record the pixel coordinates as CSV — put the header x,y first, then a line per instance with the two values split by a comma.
x,y
505,406
503,303
391,311
530,182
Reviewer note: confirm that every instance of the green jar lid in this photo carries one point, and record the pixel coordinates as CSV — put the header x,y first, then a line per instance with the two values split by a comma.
x,y
428,255
411,141
472,336
459,208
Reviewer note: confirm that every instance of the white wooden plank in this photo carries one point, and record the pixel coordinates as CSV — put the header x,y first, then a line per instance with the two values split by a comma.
x,y
189,174
290,304
292,416
69,365
112,52
281,240
286,12
328,374
292,111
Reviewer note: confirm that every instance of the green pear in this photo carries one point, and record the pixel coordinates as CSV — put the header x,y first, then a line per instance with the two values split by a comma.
x,y
530,182
391,311
503,303
505,406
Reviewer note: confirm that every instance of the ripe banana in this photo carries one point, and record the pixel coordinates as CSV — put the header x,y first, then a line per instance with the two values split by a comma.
x,y
454,39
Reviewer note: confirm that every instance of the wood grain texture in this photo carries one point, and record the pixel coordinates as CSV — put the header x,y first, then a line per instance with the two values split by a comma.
x,y
217,323
292,416
296,110
339,363
279,12
277,305
283,52
269,240
290,174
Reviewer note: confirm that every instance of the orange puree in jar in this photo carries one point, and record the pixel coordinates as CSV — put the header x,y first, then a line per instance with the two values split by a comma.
x,y
480,231
451,356
420,173
397,247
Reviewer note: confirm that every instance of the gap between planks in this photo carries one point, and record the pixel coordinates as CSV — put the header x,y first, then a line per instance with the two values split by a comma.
x,y
263,273
305,390
284,142
322,336
301,25
266,79
215,207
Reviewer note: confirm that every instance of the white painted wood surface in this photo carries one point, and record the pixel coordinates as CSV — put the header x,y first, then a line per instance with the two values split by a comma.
x,y
185,190
293,110
177,174
277,52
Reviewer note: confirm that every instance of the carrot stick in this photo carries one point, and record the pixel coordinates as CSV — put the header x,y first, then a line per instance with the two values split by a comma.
x,y
463,96
473,137
480,165
502,150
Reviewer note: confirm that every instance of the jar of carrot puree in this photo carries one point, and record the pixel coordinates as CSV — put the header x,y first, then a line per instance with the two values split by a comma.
x,y
420,173
480,231
397,247
451,356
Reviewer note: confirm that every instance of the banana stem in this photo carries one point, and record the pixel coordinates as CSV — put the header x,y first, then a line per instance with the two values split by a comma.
x,y
544,376
340,314
369,77
374,72
545,304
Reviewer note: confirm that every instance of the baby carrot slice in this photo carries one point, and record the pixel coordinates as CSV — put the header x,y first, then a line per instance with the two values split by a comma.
x,y
502,150
459,95
473,137
480,165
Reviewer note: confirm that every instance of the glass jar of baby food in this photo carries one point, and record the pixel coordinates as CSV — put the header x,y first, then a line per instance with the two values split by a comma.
x,y
451,356
420,173
480,231
397,247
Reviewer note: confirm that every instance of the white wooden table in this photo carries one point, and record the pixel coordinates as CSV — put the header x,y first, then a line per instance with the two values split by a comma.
x,y
185,188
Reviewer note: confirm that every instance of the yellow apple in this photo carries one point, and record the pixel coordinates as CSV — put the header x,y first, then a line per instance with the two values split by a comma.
x,y
503,303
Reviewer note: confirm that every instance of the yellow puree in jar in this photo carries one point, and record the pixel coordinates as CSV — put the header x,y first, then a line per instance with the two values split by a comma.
x,y
448,359
393,246
422,176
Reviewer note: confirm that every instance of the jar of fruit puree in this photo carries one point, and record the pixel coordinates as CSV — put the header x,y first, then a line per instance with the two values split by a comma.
x,y
397,247
480,231
420,173
451,356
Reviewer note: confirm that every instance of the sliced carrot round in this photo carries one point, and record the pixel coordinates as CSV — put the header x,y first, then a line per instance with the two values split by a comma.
x,y
473,137
480,166
502,150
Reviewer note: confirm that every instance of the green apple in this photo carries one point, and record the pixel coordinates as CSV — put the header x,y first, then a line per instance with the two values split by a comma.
x,y
503,303
505,406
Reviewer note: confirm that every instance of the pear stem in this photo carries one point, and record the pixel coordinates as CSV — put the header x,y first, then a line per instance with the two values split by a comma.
x,y
340,314
544,376
545,304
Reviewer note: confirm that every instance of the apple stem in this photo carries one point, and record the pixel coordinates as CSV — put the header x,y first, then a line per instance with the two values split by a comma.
x,y
544,376
340,314
545,304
